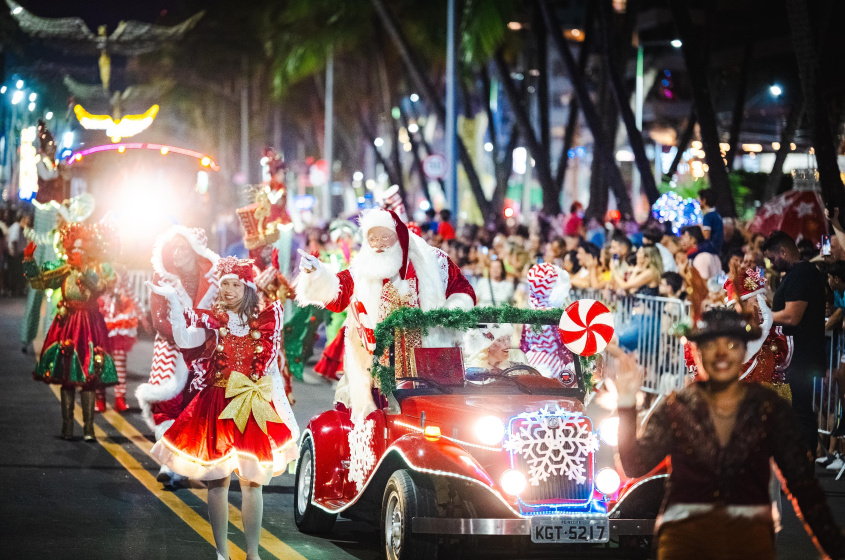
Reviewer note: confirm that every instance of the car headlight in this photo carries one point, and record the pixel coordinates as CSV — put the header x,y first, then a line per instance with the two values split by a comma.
x,y
513,482
609,430
490,430
608,481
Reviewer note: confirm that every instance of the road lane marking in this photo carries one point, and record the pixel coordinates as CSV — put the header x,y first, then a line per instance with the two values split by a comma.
x,y
133,467
269,541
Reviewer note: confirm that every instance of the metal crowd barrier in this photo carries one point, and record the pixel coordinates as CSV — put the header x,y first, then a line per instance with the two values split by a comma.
x,y
826,401
660,353
137,279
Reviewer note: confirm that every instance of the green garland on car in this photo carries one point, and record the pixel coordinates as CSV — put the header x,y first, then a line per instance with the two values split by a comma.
x,y
409,318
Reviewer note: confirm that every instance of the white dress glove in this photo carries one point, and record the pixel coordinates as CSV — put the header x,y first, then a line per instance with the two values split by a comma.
x,y
308,263
183,335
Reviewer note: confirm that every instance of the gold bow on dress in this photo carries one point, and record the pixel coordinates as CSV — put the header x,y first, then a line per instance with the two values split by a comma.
x,y
250,396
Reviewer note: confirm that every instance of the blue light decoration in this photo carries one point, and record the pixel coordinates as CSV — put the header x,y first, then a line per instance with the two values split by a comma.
x,y
65,153
681,212
304,202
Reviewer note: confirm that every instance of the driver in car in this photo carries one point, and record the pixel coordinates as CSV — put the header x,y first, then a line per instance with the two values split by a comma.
x,y
488,350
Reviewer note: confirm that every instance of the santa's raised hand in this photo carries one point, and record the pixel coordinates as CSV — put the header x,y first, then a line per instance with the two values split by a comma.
x,y
308,263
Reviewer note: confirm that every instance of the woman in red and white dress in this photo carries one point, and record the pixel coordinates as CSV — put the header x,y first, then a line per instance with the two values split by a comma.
x,y
241,420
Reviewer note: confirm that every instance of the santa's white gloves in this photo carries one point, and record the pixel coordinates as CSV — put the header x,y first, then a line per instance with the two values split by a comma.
x,y
183,336
308,263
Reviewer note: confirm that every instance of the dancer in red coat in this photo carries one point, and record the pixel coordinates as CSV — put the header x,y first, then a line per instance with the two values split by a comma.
x,y
241,420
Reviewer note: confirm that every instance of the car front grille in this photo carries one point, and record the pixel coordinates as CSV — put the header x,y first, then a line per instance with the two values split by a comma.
x,y
555,452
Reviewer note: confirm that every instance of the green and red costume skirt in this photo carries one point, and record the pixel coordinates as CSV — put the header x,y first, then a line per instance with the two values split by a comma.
x,y
76,350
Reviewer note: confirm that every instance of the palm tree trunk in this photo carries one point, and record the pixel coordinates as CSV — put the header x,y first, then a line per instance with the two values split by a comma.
x,y
739,99
697,69
415,153
602,145
786,138
808,70
683,142
503,166
430,94
572,117
551,204
622,97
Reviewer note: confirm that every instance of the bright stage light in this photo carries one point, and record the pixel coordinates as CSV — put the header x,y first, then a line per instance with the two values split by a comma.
x,y
413,128
414,98
48,115
378,142
676,43
16,97
775,90
357,176
33,96
19,84
67,139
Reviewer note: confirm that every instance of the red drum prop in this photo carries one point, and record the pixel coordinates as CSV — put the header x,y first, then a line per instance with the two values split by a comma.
x,y
586,327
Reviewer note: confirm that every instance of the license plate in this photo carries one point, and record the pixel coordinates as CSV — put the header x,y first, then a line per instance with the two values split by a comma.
x,y
563,530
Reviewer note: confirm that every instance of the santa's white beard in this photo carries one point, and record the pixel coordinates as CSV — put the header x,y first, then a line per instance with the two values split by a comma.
x,y
377,266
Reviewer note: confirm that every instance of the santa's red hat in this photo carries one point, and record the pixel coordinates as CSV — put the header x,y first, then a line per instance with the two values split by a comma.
x,y
388,219
237,269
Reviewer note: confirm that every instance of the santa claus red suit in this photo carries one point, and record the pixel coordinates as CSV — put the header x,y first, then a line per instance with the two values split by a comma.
x,y
395,268
181,260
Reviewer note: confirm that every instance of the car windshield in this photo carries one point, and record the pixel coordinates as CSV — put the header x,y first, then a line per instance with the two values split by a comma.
x,y
491,357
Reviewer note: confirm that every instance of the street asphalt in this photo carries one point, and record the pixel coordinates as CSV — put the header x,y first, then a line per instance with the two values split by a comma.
x,y
75,500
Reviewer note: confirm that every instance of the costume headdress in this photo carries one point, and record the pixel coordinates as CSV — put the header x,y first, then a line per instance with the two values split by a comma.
x,y
548,286
723,321
238,269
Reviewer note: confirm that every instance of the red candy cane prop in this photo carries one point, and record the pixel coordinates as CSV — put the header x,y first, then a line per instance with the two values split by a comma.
x,y
586,327
363,325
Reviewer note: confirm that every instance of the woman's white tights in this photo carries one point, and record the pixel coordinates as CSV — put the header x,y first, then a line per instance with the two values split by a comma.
x,y
252,509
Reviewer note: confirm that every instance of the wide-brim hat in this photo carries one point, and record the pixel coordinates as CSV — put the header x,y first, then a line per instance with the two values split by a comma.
x,y
723,321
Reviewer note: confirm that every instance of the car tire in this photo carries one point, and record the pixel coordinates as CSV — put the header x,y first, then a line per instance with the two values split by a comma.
x,y
308,517
404,500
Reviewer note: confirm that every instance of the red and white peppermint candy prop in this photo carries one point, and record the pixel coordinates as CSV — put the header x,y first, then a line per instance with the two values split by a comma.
x,y
586,327
363,325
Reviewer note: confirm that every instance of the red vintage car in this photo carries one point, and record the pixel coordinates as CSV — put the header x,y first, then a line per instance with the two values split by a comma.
x,y
462,449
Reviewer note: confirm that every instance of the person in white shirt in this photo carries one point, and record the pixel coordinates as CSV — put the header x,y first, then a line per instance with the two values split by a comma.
x,y
494,289
708,265
653,236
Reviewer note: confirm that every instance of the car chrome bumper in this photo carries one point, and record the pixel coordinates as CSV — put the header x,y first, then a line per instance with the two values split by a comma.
x,y
441,526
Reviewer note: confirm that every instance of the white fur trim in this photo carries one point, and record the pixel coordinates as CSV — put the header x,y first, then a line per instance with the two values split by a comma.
x,y
427,263
319,287
247,465
161,428
172,279
560,291
148,394
459,301
231,276
376,218
356,391
755,345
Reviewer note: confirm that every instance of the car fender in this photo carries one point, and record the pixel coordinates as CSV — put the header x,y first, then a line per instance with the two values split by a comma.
x,y
329,433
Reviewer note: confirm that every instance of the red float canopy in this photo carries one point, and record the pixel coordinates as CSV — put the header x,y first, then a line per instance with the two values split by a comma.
x,y
798,212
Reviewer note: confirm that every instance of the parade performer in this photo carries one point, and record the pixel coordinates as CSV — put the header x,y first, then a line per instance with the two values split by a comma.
x,y
720,435
120,311
548,288
394,269
181,260
45,223
766,357
342,233
76,352
240,421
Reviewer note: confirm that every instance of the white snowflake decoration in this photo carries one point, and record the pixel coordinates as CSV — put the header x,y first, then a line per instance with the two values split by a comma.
x,y
561,450
362,458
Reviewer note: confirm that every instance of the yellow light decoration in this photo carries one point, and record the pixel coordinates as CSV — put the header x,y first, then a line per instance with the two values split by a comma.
x,y
130,125
752,147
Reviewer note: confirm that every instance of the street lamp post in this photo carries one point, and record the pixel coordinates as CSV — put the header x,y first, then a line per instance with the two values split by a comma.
x,y
451,114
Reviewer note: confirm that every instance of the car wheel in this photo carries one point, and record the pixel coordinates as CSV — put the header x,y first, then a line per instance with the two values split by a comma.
x,y
404,500
308,517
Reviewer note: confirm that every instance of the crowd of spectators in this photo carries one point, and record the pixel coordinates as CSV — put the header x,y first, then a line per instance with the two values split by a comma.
x,y
13,225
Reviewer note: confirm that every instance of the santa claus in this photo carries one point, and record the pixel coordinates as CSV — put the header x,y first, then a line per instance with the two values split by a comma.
x,y
394,269
181,259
